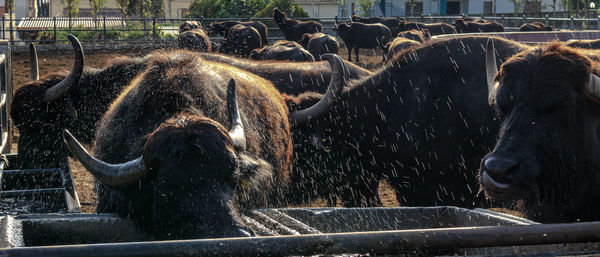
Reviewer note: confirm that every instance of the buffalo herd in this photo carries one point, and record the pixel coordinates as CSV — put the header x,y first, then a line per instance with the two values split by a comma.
x,y
185,141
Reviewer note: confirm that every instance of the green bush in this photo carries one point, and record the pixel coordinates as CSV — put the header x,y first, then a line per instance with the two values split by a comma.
x,y
285,6
130,33
225,8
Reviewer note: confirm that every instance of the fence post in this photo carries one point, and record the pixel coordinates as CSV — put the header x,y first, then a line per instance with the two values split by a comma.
x,y
524,19
598,23
422,18
572,23
54,20
104,28
464,15
547,20
4,28
502,19
71,24
154,27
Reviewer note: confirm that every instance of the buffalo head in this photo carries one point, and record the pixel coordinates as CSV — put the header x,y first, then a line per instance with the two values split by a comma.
x,y
546,154
41,108
189,25
279,16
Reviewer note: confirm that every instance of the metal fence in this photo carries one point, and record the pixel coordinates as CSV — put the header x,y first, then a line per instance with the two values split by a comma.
x,y
152,30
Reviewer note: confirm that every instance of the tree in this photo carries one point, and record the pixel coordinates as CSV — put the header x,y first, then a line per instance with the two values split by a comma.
x,y
123,5
73,6
289,7
366,6
342,4
517,4
96,5
225,8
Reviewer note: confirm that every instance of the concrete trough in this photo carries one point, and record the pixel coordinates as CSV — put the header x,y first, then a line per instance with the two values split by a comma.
x,y
402,231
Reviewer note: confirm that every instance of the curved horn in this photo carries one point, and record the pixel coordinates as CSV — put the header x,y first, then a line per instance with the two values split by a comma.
x,y
33,63
592,88
491,71
333,91
237,128
112,175
59,90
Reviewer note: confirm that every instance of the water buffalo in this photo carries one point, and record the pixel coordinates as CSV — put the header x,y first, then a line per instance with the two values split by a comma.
x,y
282,50
77,100
390,22
584,43
422,122
358,35
397,45
536,26
189,25
288,77
464,26
194,40
241,40
433,28
178,172
319,43
294,29
547,98
222,28
415,35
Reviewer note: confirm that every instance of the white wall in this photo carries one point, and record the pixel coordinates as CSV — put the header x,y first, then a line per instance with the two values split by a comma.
x,y
320,10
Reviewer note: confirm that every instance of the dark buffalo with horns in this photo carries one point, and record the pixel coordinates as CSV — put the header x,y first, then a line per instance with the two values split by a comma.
x,y
241,40
176,170
390,22
77,100
294,29
358,35
222,28
434,29
548,99
422,123
319,44
282,50
289,77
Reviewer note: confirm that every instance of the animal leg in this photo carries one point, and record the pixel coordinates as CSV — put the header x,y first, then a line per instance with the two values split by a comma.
x,y
349,54
356,53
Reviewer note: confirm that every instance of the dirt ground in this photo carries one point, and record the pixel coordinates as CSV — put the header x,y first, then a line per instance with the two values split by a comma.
x,y
63,60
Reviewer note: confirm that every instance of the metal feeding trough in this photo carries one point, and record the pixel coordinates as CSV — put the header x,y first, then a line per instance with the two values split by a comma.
x,y
402,231
37,190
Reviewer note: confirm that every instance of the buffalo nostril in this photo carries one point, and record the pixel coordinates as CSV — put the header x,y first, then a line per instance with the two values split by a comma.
x,y
499,168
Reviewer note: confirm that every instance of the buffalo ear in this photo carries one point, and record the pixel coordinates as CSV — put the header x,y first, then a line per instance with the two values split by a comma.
x,y
592,88
301,101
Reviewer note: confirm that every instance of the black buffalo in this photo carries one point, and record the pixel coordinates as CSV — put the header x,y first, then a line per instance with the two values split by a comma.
x,y
547,152
189,25
289,77
536,26
390,22
358,35
77,100
423,123
464,26
222,28
282,50
398,45
240,41
294,29
319,44
194,40
584,43
178,172
433,28
415,35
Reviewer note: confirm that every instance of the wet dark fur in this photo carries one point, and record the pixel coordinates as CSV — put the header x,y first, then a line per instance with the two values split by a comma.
x,y
294,29
464,26
282,50
416,35
289,77
358,35
189,25
582,43
423,123
221,28
433,28
241,40
40,124
319,43
398,45
536,26
182,82
551,129
194,40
